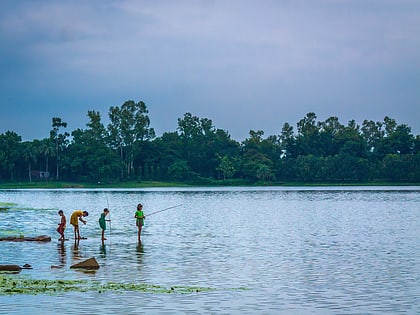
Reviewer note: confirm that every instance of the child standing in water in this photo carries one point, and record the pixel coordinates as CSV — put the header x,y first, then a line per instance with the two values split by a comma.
x,y
61,225
102,222
139,215
74,220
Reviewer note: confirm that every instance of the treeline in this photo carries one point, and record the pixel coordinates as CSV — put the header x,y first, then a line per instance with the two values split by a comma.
x,y
197,152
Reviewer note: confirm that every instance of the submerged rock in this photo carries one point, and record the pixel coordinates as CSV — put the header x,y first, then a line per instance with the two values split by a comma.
x,y
13,268
90,263
40,238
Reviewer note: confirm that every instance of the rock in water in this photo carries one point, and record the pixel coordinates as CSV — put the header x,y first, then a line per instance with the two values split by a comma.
x,y
14,268
40,238
90,263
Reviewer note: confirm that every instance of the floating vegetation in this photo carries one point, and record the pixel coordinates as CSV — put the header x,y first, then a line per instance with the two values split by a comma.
x,y
10,285
17,285
7,205
15,233
14,206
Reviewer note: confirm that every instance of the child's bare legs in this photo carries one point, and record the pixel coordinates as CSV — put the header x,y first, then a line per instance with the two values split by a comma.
x,y
139,232
76,231
103,235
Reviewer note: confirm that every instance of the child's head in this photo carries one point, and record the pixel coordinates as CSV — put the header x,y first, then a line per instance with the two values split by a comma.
x,y
106,210
139,206
85,213
60,212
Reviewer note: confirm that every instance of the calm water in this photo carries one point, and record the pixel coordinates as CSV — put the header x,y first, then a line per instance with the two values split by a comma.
x,y
295,250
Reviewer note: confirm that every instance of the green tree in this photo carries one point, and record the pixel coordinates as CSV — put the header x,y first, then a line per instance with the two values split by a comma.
x,y
46,150
88,157
59,139
30,154
307,139
226,167
179,170
373,134
257,156
10,148
309,168
202,144
129,125
168,150
288,141
401,140
329,136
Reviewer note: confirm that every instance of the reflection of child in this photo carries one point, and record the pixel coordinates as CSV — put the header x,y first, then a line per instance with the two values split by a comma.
x,y
61,225
139,215
102,222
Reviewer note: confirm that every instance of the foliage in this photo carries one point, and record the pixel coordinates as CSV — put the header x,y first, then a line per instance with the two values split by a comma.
x,y
127,150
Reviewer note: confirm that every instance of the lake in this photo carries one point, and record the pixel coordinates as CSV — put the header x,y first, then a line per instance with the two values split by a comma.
x,y
254,250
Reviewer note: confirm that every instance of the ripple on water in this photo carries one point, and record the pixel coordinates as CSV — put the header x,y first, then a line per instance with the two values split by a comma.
x,y
295,251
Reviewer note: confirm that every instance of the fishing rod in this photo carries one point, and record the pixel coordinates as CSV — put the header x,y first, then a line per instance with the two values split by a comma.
x,y
164,209
109,220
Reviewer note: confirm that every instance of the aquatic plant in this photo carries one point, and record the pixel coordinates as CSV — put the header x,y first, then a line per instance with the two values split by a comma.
x,y
14,232
12,284
7,205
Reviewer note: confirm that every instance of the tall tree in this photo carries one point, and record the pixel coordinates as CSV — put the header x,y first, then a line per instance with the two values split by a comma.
x,y
328,136
10,146
288,141
202,144
47,150
88,156
257,161
129,125
373,134
59,139
30,152
308,135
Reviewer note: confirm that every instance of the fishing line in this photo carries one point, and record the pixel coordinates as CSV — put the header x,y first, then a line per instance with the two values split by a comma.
x,y
164,210
110,228
109,220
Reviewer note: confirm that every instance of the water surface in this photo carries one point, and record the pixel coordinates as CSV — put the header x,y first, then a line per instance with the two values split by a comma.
x,y
326,250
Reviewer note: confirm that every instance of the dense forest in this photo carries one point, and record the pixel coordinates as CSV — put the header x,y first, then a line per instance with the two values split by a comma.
x,y
127,149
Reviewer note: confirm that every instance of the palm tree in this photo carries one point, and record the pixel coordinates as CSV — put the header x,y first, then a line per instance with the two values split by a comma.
x,y
47,150
30,155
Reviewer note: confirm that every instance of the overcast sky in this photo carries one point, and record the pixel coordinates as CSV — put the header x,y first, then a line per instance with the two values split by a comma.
x,y
243,64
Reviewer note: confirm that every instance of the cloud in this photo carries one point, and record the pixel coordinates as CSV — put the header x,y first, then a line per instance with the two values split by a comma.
x,y
275,59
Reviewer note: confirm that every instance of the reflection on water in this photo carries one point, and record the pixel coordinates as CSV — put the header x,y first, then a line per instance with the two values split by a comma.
x,y
310,250
102,249
61,253
76,251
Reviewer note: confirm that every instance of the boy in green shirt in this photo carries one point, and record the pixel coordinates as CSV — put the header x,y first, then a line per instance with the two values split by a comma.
x,y
139,215
102,222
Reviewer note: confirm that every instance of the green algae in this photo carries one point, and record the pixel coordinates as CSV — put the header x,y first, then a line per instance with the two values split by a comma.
x,y
7,205
11,285
15,232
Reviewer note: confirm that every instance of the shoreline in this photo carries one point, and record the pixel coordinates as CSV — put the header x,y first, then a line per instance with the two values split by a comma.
x,y
155,184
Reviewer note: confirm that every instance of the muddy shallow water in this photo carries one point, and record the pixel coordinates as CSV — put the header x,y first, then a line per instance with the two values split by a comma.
x,y
264,250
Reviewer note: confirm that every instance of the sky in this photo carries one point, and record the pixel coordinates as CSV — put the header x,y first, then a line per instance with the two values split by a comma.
x,y
244,64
